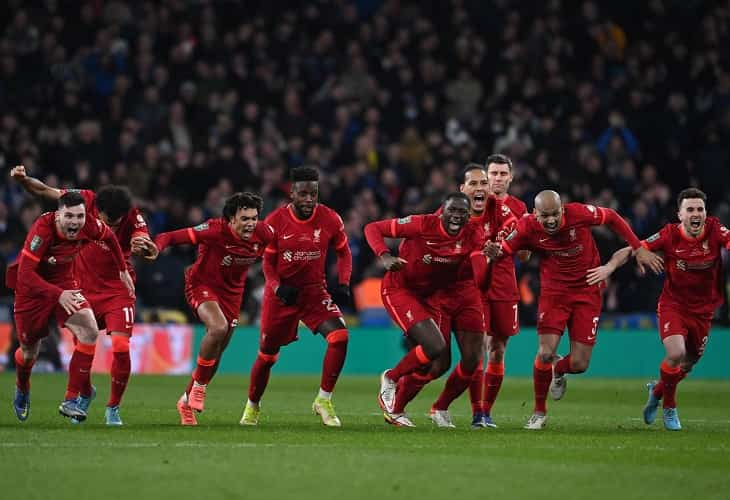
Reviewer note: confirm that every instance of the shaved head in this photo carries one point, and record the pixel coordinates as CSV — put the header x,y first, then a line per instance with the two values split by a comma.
x,y
548,200
549,210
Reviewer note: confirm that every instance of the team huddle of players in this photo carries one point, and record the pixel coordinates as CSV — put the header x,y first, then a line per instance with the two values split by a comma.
x,y
454,272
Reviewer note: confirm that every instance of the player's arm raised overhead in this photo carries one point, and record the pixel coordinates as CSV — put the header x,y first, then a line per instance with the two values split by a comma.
x,y
376,232
33,185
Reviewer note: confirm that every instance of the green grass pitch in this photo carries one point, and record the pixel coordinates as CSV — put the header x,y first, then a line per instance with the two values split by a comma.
x,y
595,445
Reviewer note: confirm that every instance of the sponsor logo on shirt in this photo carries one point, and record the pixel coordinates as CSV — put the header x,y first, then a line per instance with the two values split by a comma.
x,y
301,255
572,234
683,265
429,259
570,252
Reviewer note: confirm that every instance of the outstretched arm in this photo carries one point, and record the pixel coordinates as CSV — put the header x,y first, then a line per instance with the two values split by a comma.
x,y
33,185
601,273
644,257
180,237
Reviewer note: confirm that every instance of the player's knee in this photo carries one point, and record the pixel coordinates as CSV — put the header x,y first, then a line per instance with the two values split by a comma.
x,y
440,366
676,355
120,343
87,334
434,348
338,337
218,329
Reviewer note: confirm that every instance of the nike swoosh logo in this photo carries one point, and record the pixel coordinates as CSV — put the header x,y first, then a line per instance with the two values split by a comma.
x,y
681,250
230,246
287,236
432,243
543,240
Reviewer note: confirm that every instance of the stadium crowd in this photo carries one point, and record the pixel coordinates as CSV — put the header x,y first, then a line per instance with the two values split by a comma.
x,y
618,104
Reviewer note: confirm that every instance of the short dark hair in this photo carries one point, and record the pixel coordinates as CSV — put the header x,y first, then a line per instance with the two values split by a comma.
x,y
690,193
237,201
304,174
499,159
114,201
457,195
468,168
71,199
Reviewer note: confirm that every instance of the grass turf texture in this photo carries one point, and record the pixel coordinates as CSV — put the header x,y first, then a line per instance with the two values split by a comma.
x,y
595,445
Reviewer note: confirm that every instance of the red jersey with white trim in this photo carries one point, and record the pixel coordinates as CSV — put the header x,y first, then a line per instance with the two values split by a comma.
x,y
693,278
503,285
94,268
434,256
565,256
301,245
223,257
47,260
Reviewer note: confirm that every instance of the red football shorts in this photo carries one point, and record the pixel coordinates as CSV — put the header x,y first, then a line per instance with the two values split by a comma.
x,y
279,322
230,305
32,317
460,309
114,311
407,308
694,328
580,312
501,318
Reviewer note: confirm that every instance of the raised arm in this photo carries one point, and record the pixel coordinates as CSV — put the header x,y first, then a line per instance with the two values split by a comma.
x,y
33,185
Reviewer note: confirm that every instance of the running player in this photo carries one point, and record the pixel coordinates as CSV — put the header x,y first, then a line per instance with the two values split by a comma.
x,y
692,291
214,284
294,268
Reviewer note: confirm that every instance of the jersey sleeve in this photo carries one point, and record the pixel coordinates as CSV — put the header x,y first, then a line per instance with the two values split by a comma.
x,y
339,238
658,241
405,227
587,214
723,236
34,251
139,224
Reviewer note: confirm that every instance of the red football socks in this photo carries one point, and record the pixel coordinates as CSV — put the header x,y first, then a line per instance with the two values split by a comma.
x,y
542,375
204,370
121,368
23,370
492,384
260,375
79,370
456,384
670,377
334,359
415,358
408,388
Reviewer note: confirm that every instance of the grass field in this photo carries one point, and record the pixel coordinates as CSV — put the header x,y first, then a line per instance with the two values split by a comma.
x,y
595,445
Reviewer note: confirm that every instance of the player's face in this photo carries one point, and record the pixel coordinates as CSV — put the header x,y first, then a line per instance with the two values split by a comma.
x,y
70,220
304,196
455,215
692,215
500,177
549,218
476,187
244,222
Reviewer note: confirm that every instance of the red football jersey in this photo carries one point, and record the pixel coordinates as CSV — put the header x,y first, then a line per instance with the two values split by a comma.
x,y
94,267
693,266
503,285
434,257
565,256
223,257
47,260
301,245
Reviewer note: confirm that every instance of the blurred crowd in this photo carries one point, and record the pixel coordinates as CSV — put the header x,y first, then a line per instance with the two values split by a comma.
x,y
620,104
